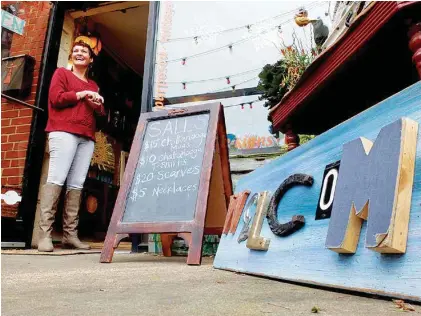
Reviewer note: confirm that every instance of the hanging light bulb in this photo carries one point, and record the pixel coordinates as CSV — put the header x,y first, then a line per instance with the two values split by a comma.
x,y
251,105
196,40
184,85
230,47
248,27
242,106
228,80
233,88
183,61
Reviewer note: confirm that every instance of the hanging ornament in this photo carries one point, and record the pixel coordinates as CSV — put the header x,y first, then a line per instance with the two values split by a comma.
x,y
184,85
196,40
228,80
251,105
183,61
242,106
233,88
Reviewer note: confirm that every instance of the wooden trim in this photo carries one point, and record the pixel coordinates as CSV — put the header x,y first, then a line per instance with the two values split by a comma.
x,y
396,239
150,56
108,7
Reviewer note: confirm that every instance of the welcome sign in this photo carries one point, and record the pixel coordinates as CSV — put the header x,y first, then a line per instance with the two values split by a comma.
x,y
343,210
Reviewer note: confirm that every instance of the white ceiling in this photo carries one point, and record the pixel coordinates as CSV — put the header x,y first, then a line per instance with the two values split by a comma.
x,y
125,33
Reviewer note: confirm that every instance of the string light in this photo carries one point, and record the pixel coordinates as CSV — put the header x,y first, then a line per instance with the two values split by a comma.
x,y
229,106
247,26
227,77
230,46
184,85
242,104
233,87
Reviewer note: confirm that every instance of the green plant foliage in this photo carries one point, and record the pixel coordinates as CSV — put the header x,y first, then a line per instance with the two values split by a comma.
x,y
281,77
270,83
305,138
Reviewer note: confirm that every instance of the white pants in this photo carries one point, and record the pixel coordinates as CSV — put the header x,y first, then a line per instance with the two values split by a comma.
x,y
70,157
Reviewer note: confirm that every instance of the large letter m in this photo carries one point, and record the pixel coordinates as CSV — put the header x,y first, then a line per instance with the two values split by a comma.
x,y
375,184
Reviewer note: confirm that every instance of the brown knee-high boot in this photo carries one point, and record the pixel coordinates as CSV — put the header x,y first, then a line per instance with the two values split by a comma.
x,y
71,220
48,206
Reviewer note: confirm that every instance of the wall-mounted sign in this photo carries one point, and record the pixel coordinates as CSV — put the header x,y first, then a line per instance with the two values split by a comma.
x,y
12,22
379,180
252,141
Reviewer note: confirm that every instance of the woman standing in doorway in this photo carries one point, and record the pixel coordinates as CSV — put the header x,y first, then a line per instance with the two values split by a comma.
x,y
72,103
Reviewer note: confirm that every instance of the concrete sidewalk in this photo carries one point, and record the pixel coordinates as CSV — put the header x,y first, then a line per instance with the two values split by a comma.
x,y
144,284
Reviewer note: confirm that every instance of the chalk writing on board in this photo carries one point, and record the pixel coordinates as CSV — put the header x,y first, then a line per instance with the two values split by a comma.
x,y
166,180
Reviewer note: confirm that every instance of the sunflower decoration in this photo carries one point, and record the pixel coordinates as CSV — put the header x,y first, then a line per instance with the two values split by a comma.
x,y
103,156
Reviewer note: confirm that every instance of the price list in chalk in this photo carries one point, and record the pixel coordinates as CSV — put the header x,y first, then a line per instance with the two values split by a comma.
x,y
166,181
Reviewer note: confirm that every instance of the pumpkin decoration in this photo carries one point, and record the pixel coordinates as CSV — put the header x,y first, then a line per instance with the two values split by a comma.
x,y
91,204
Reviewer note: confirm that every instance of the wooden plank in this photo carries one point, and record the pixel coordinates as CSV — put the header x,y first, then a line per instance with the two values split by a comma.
x,y
398,229
108,7
217,205
212,96
255,241
237,202
302,256
231,208
241,202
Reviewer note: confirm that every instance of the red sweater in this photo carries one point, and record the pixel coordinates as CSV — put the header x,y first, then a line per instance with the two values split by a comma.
x,y
65,112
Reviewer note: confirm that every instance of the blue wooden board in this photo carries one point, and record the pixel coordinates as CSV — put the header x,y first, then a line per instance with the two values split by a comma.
x,y
302,256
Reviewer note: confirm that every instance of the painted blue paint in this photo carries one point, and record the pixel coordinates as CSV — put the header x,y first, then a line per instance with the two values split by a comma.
x,y
302,256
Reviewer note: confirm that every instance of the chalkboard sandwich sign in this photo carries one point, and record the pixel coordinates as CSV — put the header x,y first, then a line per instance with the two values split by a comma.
x,y
177,178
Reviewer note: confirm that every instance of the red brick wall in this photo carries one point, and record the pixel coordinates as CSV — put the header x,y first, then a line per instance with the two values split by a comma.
x,y
16,119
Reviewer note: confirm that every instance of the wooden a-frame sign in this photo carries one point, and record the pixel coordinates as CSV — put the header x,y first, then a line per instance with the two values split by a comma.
x,y
177,179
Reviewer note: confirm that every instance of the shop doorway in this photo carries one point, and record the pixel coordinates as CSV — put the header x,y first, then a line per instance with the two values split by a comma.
x,y
120,31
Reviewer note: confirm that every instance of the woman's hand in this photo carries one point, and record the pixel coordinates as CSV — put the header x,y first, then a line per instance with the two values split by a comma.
x,y
91,96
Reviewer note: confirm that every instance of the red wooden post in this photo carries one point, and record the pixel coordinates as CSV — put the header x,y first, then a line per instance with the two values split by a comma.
x,y
415,45
291,139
